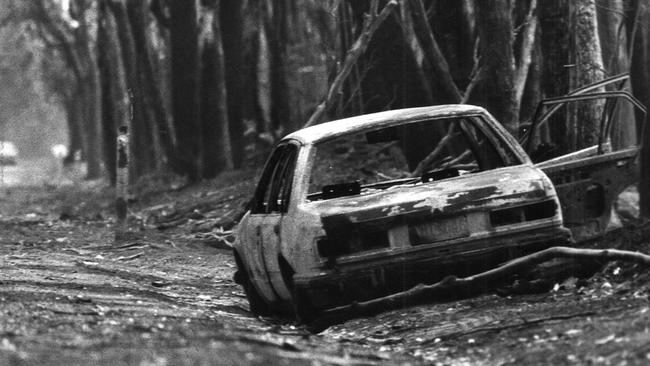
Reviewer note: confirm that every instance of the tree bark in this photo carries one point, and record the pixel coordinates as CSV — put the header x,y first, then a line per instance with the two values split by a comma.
x,y
278,37
253,20
140,128
434,56
185,76
587,56
231,19
453,23
554,24
214,118
157,111
639,38
497,89
616,59
529,35
105,65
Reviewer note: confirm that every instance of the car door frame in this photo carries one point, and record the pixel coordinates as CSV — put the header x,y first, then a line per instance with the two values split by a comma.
x,y
265,222
588,181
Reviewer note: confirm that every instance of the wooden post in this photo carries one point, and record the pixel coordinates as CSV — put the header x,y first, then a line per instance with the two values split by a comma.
x,y
122,180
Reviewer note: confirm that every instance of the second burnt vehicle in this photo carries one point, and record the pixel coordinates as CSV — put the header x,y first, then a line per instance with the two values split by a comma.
x,y
363,207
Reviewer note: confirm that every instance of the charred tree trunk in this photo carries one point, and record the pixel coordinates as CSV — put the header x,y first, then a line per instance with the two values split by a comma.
x,y
433,56
532,92
453,22
185,75
610,15
554,24
252,109
613,42
231,18
92,96
214,114
118,99
588,60
639,37
156,110
140,128
352,85
497,89
278,36
75,143
104,63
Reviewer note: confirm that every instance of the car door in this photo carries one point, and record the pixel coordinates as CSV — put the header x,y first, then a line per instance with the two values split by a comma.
x,y
588,181
253,226
266,219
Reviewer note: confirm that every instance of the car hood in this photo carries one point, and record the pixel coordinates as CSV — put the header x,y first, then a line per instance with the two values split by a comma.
x,y
495,188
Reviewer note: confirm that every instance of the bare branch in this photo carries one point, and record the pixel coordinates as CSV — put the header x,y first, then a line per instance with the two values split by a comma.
x,y
374,7
432,50
475,76
370,25
472,284
434,154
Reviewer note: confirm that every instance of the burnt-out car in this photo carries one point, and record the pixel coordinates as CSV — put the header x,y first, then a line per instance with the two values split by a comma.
x,y
366,206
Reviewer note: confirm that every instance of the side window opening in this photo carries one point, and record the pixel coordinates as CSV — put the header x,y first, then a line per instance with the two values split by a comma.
x,y
260,200
281,182
274,187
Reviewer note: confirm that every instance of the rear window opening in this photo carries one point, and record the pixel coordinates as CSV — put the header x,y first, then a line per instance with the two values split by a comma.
x,y
412,153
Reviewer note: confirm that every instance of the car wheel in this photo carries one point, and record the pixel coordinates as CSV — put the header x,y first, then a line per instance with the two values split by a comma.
x,y
256,304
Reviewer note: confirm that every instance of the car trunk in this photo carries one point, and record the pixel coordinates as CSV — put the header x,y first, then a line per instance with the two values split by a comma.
x,y
429,213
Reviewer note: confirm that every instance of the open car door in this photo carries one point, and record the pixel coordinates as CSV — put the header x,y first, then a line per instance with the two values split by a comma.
x,y
588,181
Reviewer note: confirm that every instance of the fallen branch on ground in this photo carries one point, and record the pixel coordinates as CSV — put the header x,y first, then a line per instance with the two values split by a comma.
x,y
219,238
475,284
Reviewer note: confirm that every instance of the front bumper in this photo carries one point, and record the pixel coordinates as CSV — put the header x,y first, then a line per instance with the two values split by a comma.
x,y
345,284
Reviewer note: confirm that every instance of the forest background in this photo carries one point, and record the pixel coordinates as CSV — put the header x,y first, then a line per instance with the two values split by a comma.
x,y
206,86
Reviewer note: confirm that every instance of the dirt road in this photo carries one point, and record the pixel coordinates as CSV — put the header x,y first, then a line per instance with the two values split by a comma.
x,y
71,295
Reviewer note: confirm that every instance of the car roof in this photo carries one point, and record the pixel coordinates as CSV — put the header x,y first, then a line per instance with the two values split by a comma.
x,y
327,130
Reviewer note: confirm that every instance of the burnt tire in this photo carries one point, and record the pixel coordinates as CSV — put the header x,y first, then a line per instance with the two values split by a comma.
x,y
256,303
